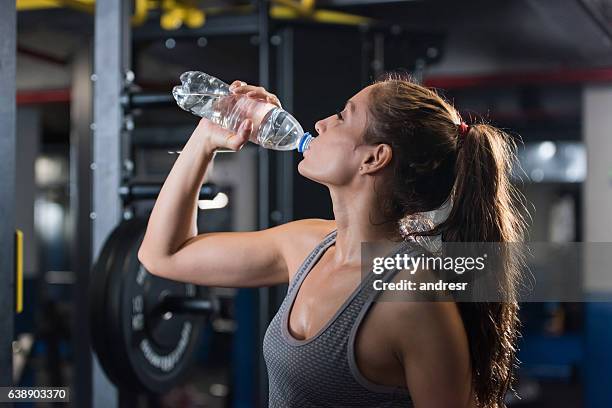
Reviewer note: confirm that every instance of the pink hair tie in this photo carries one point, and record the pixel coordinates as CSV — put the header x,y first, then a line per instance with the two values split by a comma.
x,y
464,128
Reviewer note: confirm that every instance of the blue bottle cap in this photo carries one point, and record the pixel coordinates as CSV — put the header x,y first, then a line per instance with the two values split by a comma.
x,y
304,142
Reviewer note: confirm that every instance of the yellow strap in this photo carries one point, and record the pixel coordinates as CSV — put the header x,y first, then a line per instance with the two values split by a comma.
x,y
18,271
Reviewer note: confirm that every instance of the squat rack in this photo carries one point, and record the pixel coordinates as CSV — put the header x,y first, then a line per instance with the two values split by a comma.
x,y
105,158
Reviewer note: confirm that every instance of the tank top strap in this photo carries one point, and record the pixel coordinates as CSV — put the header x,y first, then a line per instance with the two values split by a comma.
x,y
367,294
355,313
311,259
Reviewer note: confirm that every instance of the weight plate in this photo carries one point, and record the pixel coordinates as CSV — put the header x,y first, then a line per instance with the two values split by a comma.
x,y
145,349
98,299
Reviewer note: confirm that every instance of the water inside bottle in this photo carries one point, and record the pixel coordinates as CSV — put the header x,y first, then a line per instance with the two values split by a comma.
x,y
210,98
229,111
279,130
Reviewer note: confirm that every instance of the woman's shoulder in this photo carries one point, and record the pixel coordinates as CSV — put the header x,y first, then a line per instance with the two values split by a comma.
x,y
416,315
415,325
431,344
300,237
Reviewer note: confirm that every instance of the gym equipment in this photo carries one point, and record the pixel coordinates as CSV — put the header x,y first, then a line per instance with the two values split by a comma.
x,y
144,329
146,100
144,191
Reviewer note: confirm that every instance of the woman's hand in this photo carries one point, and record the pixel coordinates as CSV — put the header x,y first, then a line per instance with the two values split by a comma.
x,y
216,137
220,138
256,92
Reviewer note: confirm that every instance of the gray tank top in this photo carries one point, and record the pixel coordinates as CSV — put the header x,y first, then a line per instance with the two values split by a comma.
x,y
321,371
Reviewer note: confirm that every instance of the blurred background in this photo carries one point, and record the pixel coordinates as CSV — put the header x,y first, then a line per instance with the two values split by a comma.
x,y
542,70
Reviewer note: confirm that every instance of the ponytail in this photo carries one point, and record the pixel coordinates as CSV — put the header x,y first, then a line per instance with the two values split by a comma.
x,y
484,200
485,208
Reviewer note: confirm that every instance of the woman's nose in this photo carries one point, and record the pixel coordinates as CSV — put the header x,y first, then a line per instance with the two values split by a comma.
x,y
319,126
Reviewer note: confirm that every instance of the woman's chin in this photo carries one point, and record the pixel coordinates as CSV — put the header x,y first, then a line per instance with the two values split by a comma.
x,y
303,169
300,168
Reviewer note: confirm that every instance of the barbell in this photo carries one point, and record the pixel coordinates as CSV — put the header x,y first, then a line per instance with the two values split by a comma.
x,y
145,329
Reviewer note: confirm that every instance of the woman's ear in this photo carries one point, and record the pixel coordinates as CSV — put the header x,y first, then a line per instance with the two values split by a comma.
x,y
378,157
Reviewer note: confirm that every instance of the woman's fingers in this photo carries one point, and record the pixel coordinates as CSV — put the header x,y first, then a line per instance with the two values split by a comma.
x,y
235,141
274,100
245,89
256,92
236,83
238,139
220,138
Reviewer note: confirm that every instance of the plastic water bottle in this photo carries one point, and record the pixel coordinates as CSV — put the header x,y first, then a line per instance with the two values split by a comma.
x,y
210,98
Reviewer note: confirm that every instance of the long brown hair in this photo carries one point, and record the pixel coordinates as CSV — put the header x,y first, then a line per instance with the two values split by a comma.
x,y
434,163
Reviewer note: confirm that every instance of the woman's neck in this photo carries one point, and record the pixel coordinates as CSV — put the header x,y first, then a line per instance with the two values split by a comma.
x,y
359,220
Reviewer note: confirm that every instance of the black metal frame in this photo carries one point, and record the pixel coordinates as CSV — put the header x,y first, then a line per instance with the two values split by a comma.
x,y
8,114
80,203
